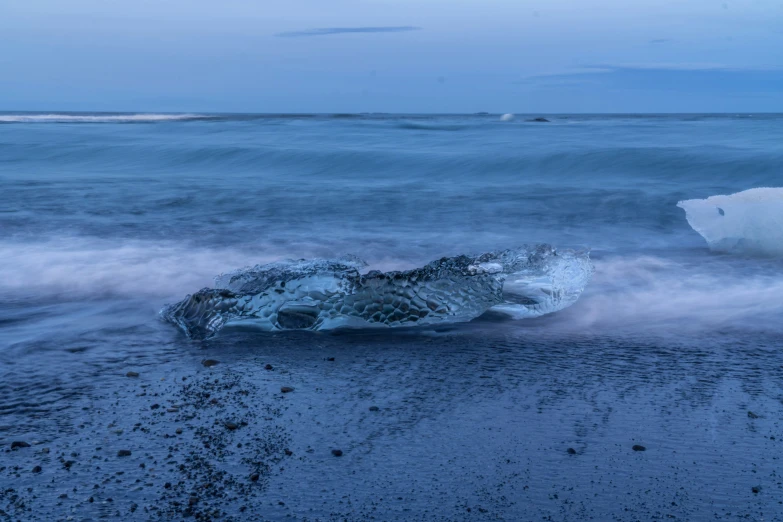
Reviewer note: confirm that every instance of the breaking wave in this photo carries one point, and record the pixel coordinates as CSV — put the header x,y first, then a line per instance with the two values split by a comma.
x,y
98,118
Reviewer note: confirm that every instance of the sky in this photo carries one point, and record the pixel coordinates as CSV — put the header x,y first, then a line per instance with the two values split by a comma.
x,y
431,56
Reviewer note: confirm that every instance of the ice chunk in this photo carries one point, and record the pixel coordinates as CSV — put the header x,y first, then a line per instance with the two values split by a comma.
x,y
322,294
748,222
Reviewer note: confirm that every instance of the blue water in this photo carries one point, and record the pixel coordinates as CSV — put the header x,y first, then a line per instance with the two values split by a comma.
x,y
104,218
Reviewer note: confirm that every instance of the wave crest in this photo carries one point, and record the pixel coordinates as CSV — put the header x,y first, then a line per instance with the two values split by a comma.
x,y
98,118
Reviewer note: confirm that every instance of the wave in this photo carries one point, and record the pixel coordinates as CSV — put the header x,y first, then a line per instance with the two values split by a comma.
x,y
409,125
79,268
99,118
661,296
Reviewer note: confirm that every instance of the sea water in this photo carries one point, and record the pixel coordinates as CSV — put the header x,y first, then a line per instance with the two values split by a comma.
x,y
106,218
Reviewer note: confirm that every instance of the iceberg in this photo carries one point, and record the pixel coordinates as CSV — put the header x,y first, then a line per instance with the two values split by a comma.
x,y
322,294
748,222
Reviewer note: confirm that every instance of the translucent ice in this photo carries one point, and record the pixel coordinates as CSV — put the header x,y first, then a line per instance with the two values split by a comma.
x,y
322,294
748,222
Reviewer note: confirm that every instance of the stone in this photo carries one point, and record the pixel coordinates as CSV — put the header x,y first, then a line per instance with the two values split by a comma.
x,y
337,453
37,469
19,444
254,477
374,408
752,415
286,389
210,362
268,367
638,447
124,453
571,451
131,374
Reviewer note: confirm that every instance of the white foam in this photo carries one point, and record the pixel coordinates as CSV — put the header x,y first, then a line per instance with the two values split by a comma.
x,y
657,295
748,222
95,118
507,117
84,267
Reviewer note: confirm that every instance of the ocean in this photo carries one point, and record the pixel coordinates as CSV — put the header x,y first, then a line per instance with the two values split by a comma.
x,y
105,218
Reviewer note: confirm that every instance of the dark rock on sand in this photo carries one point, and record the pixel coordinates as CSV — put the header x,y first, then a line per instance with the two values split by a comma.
x,y
37,469
254,477
539,120
19,444
131,374
330,358
637,447
288,452
268,367
210,362
231,425
756,489
752,415
571,451
337,453
124,453
374,408
286,389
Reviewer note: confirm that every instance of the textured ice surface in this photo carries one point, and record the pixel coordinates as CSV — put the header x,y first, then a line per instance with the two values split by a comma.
x,y
322,294
749,222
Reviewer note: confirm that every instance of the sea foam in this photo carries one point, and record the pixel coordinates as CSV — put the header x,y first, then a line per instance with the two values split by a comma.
x,y
97,118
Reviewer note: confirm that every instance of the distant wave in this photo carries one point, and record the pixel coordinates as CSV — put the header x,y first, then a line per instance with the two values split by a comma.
x,y
409,125
98,118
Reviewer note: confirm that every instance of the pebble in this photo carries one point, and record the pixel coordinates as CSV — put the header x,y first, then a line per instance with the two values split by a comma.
x,y
572,451
37,469
231,425
637,447
752,415
19,444
756,489
268,367
286,389
210,362
178,431
254,477
288,452
131,374
374,408
124,453
330,359
337,453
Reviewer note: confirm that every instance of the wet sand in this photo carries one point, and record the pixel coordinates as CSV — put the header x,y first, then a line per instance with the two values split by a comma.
x,y
478,422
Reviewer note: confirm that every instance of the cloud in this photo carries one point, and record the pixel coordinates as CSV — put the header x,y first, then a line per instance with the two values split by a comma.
x,y
346,30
